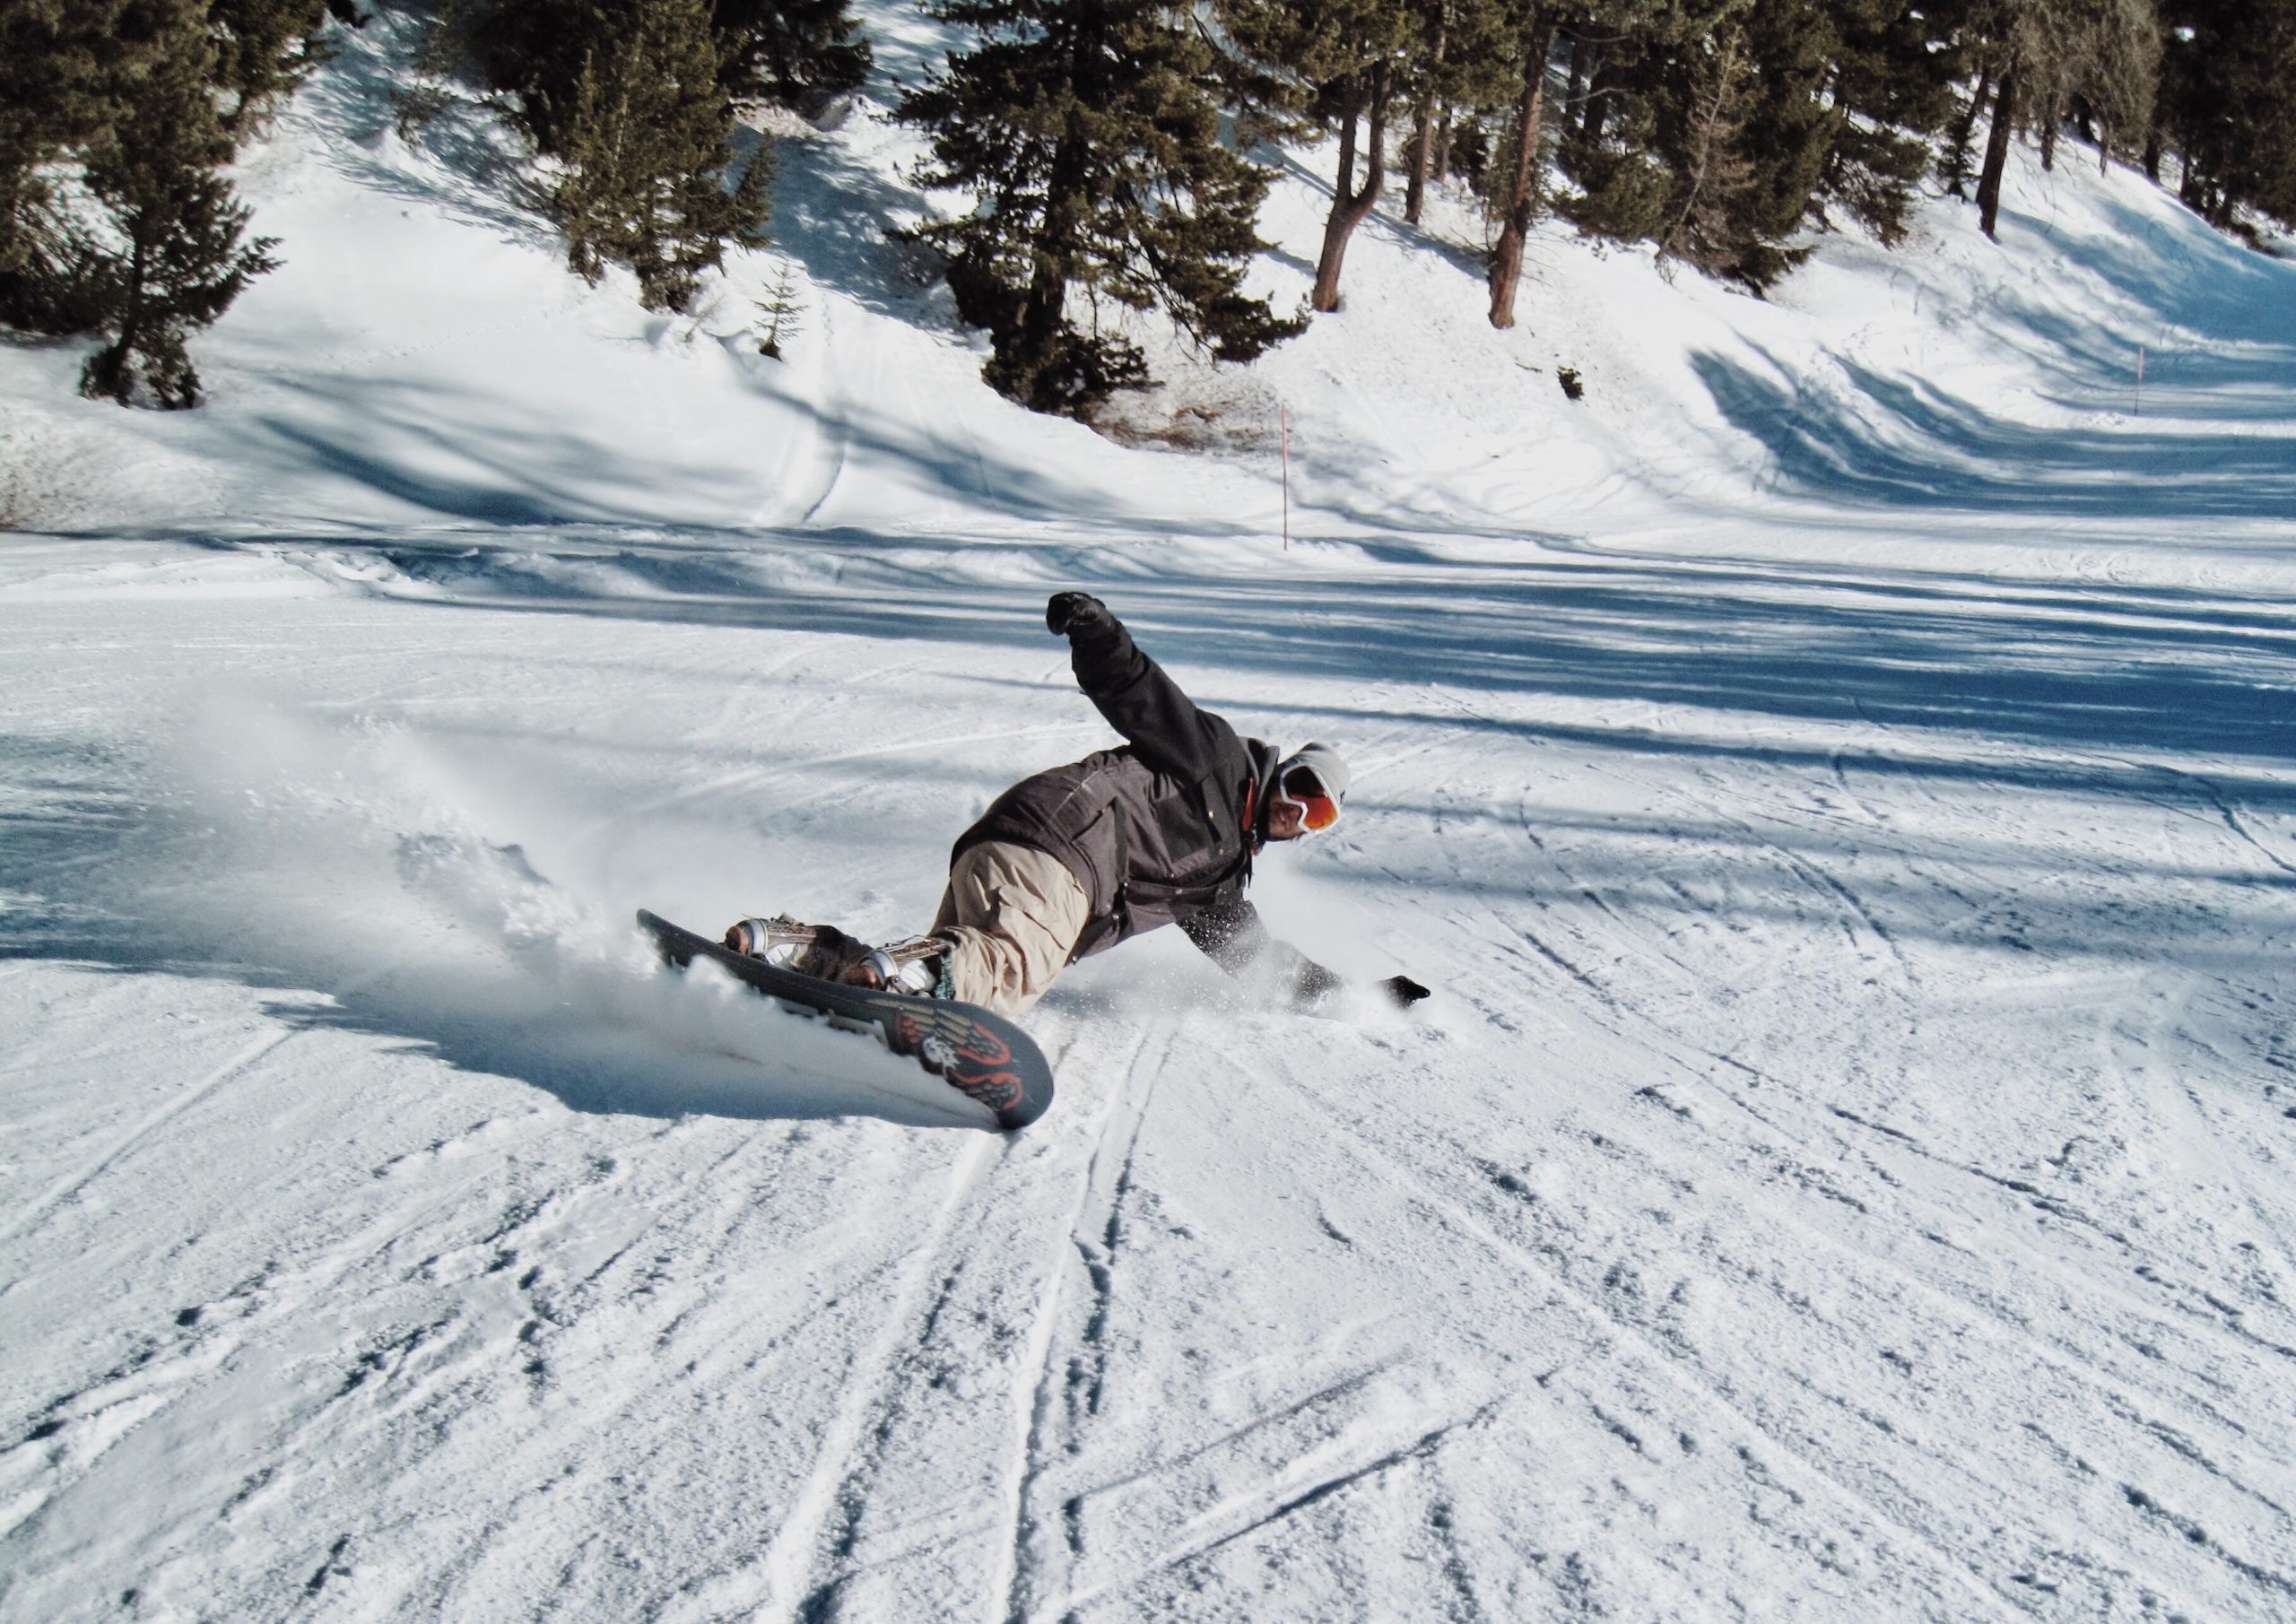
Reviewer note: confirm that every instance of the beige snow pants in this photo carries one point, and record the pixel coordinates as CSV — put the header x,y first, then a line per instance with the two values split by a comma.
x,y
1014,914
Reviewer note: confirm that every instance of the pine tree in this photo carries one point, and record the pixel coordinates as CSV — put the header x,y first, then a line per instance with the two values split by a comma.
x,y
1792,124
1534,38
264,48
795,51
1820,101
2227,74
1433,76
646,150
2047,51
1611,152
1347,61
1625,150
1895,68
798,52
169,252
63,67
1461,62
1088,132
422,93
1715,171
784,314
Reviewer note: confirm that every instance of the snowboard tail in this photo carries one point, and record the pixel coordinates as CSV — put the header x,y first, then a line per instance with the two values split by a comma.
x,y
982,1055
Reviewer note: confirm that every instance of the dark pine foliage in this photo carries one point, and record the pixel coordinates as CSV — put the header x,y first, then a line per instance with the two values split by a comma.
x,y
1894,70
167,251
1088,131
645,143
1722,128
798,52
635,99
117,118
801,52
264,48
1628,141
65,65
2228,73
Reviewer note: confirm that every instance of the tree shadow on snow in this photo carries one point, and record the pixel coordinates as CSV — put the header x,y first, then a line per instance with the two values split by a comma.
x,y
2099,668
1896,443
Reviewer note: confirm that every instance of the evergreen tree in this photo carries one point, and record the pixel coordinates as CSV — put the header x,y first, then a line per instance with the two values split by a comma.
x,y
2049,51
1720,128
64,67
1088,131
1954,164
1462,64
1791,127
1611,152
170,251
2003,126
645,149
1894,71
1347,62
1533,38
2228,72
1715,171
798,52
1627,149
264,48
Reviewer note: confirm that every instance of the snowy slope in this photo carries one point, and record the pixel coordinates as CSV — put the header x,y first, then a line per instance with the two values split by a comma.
x,y
1840,776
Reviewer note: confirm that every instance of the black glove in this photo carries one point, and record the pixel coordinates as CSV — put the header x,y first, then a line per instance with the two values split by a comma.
x,y
1068,613
1404,990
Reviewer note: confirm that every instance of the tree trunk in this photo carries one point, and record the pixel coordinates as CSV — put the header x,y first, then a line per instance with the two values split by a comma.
x,y
1044,307
1423,157
1350,208
2052,116
1422,139
1957,161
1996,152
1443,128
2152,153
1590,122
1506,258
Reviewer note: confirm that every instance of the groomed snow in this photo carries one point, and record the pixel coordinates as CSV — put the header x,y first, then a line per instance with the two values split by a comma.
x,y
1841,776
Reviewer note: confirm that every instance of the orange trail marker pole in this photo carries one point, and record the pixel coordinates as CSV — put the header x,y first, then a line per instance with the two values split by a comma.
x,y
1284,415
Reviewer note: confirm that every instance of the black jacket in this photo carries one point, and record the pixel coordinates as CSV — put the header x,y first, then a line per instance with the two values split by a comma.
x,y
1161,830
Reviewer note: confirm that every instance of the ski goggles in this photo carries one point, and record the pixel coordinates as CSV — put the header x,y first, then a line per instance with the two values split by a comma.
x,y
1318,807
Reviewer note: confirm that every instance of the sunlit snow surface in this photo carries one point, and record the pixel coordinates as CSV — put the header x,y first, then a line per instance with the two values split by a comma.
x,y
1839,776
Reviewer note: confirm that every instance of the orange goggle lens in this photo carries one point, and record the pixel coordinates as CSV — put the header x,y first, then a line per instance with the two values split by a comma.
x,y
1319,811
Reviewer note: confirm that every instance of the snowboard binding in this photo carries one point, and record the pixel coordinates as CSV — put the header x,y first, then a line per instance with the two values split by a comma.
x,y
916,966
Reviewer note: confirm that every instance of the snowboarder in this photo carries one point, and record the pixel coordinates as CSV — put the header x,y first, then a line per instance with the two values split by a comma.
x,y
1161,830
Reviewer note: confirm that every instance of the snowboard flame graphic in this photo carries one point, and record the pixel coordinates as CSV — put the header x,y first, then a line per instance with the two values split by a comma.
x,y
962,1052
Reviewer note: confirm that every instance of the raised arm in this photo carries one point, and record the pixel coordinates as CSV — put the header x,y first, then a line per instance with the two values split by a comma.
x,y
1168,730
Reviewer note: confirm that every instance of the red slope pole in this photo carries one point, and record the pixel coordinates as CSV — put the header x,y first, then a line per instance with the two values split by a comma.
x,y
1285,413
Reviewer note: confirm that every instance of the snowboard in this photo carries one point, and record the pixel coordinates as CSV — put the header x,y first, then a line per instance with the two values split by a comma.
x,y
983,1057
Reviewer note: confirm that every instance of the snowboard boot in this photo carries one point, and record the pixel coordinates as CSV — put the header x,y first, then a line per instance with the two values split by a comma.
x,y
916,966
778,940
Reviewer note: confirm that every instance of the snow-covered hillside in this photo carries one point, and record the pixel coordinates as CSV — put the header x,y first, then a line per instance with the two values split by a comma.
x,y
1841,776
